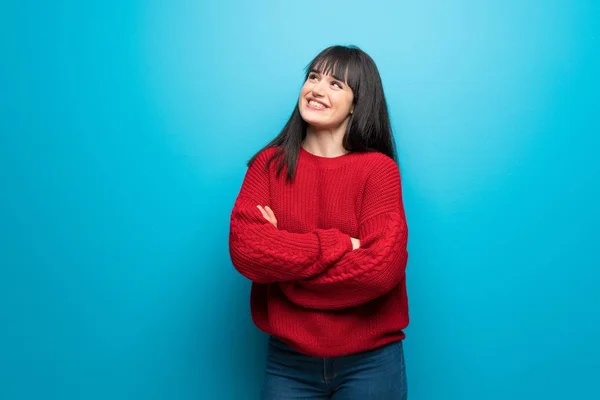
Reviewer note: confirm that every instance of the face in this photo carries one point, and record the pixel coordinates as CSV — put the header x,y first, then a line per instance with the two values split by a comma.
x,y
325,101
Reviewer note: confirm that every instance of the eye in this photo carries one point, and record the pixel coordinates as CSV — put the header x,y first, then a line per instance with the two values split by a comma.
x,y
312,75
339,85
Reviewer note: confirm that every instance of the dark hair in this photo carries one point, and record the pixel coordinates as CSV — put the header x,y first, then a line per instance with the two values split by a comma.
x,y
369,126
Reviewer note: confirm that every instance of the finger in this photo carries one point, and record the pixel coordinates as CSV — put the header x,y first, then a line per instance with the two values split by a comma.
x,y
271,213
263,212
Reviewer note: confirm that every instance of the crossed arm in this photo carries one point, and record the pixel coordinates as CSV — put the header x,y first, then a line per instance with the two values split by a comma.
x,y
324,269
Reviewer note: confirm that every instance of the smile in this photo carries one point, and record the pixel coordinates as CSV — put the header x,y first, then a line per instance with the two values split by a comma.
x,y
316,105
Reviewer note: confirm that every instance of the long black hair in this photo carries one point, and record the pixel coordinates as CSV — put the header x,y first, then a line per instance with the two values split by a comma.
x,y
369,127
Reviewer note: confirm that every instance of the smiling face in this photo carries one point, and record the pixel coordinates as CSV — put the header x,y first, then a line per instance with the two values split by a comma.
x,y
326,101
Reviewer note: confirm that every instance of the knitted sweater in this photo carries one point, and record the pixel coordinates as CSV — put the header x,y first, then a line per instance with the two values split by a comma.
x,y
309,287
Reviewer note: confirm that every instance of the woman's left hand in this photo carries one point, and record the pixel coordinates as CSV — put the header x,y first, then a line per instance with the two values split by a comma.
x,y
268,214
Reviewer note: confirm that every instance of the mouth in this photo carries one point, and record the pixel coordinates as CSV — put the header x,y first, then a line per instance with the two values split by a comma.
x,y
316,105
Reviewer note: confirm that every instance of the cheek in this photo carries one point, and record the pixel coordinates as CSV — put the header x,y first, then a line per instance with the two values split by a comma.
x,y
305,89
345,104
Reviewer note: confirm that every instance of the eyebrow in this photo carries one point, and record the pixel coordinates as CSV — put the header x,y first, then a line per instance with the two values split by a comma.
x,y
334,77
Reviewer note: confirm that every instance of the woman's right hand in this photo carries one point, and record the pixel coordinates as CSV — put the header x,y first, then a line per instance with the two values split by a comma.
x,y
355,243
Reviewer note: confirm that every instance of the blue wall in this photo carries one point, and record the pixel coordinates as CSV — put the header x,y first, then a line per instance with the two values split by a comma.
x,y
124,129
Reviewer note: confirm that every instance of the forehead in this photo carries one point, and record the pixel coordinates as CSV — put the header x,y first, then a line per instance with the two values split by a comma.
x,y
343,65
330,68
329,61
327,74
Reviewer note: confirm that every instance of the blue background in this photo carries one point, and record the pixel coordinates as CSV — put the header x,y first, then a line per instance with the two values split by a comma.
x,y
125,127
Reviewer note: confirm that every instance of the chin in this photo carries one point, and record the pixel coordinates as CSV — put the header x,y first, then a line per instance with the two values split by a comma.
x,y
317,123
313,118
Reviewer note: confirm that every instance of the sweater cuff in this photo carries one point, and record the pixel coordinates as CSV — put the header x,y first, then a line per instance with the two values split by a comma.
x,y
333,244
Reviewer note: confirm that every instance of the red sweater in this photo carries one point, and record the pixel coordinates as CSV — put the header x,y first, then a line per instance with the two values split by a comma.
x,y
310,289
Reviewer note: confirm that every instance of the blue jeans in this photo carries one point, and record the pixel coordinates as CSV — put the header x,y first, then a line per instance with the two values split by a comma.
x,y
371,375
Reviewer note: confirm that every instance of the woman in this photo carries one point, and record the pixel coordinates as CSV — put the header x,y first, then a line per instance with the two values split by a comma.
x,y
319,228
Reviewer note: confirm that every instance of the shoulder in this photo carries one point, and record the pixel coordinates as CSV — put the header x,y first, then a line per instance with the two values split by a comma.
x,y
262,157
382,190
379,166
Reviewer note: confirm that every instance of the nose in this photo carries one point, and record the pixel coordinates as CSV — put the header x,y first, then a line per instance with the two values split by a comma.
x,y
317,88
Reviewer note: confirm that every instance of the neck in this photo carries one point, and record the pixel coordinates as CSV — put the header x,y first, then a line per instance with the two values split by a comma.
x,y
325,142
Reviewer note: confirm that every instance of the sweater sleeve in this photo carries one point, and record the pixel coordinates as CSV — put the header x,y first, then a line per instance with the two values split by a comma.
x,y
378,265
265,254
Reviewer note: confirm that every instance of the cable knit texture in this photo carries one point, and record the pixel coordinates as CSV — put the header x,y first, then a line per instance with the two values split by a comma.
x,y
310,288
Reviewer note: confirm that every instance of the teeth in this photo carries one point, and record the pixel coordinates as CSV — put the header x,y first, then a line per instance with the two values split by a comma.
x,y
316,105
